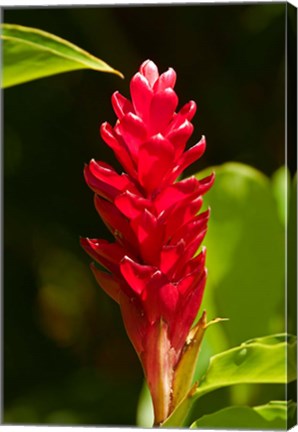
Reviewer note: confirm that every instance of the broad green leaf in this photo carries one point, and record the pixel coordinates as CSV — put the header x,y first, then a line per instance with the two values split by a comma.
x,y
266,360
274,415
245,256
30,53
261,360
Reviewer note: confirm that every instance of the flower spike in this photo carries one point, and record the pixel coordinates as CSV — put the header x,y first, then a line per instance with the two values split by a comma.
x,y
153,270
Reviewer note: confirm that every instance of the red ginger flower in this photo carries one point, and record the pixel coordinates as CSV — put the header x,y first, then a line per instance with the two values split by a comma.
x,y
152,269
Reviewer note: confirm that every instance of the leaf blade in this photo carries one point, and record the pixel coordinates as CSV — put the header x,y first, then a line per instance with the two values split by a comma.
x,y
261,360
273,415
30,53
246,258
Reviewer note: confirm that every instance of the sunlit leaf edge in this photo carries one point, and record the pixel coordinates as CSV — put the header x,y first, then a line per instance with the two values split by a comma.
x,y
87,61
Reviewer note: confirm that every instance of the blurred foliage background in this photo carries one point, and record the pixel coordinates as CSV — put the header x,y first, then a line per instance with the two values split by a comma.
x,y
67,359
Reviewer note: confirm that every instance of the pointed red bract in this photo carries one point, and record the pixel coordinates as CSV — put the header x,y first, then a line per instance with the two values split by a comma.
x,y
152,269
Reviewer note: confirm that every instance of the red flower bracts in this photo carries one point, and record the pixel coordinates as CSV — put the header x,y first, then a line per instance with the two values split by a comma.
x,y
152,269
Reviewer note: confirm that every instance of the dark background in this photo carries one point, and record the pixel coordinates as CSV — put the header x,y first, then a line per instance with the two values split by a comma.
x,y
67,359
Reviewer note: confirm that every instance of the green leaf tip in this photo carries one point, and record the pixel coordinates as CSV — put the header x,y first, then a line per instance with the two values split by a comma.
x,y
30,53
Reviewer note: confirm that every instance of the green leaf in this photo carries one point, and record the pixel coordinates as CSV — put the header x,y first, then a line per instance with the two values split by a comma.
x,y
30,53
261,360
274,415
275,409
245,256
266,360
